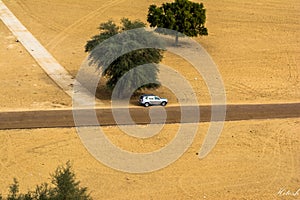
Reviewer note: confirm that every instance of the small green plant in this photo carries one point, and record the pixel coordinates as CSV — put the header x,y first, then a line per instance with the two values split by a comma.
x,y
65,187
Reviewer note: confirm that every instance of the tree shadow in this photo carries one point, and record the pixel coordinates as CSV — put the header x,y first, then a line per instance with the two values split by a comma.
x,y
105,95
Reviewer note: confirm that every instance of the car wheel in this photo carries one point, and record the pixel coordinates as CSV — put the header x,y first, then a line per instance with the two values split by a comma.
x,y
163,103
146,104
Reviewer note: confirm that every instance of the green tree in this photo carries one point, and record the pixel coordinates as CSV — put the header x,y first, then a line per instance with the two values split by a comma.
x,y
14,191
182,16
65,188
42,192
113,68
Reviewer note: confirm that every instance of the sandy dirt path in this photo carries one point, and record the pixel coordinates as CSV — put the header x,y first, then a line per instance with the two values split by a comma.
x,y
140,115
23,84
254,43
36,50
260,67
45,60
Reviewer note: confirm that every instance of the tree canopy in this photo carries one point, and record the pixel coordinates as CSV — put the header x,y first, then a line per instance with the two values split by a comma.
x,y
104,56
64,186
183,16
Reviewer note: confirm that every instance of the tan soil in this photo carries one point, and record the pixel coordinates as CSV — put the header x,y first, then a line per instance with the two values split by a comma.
x,y
256,47
23,84
252,160
255,44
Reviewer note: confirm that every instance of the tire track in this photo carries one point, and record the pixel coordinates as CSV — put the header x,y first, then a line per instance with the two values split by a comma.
x,y
4,151
283,51
283,158
28,11
46,61
293,80
293,68
289,146
276,161
11,157
246,90
65,33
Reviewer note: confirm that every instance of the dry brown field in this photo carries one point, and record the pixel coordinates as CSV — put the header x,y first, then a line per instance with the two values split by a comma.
x,y
256,45
252,160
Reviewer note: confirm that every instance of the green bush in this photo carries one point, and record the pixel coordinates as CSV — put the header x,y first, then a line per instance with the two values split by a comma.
x,y
64,187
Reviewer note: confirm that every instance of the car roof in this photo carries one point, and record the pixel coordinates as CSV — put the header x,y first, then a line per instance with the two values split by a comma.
x,y
148,95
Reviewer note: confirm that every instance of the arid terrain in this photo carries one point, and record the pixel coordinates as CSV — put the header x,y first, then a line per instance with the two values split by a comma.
x,y
256,46
252,160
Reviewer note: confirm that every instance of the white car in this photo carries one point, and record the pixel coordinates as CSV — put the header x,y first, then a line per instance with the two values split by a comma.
x,y
150,99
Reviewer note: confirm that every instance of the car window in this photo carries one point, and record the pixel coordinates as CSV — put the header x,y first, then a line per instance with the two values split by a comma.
x,y
156,98
151,98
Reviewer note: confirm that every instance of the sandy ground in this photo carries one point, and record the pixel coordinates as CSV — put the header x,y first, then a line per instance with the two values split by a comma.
x,y
23,84
252,160
256,47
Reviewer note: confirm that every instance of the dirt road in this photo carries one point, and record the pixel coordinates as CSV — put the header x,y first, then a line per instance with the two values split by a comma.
x,y
140,115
